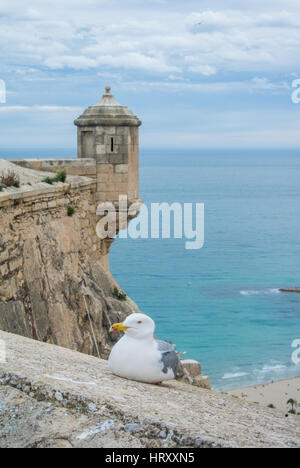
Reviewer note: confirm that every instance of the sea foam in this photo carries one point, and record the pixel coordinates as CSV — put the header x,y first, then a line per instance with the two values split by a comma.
x,y
253,292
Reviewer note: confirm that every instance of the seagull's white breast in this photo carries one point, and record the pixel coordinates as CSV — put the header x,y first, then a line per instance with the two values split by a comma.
x,y
138,359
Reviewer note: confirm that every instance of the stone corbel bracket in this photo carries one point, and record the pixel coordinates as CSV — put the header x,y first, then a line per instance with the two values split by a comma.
x,y
118,214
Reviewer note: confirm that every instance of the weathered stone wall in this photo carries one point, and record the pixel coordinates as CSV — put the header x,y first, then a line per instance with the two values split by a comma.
x,y
109,133
116,172
46,257
116,152
76,167
54,397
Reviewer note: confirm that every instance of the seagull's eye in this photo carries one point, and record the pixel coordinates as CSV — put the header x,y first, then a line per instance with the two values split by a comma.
x,y
140,321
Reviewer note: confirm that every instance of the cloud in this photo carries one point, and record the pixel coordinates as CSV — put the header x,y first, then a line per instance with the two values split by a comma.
x,y
245,41
210,53
235,19
264,83
253,85
206,70
151,37
76,62
131,60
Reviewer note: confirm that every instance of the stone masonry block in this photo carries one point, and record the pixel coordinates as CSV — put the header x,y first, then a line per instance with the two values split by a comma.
x,y
102,159
110,130
101,187
104,168
122,131
101,196
122,188
121,168
117,158
103,177
101,149
100,139
118,177
100,130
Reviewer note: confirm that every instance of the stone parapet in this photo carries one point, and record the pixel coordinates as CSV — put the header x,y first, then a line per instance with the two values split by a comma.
x,y
89,407
33,195
115,175
77,167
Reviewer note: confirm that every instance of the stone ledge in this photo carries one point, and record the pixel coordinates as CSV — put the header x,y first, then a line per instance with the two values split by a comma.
x,y
73,167
43,190
51,163
187,416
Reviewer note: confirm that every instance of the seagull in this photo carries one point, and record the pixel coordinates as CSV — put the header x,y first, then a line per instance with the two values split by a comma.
x,y
138,355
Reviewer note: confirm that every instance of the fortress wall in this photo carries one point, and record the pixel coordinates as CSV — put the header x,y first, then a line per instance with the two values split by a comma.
x,y
23,215
112,162
116,174
77,167
45,255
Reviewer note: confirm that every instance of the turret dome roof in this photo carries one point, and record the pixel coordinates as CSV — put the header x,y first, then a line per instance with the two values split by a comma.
x,y
107,112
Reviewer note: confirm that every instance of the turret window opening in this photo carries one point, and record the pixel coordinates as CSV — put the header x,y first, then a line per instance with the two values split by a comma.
x,y
112,144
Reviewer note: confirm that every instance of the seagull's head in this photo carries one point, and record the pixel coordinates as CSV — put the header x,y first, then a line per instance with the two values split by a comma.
x,y
136,326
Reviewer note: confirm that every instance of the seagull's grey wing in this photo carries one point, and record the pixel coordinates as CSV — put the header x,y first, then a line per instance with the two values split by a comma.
x,y
165,346
169,356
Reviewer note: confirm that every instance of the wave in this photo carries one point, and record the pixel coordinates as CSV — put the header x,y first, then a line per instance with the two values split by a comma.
x,y
234,375
253,292
266,369
272,371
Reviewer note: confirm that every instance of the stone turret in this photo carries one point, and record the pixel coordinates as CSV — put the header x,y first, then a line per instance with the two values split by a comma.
x,y
109,133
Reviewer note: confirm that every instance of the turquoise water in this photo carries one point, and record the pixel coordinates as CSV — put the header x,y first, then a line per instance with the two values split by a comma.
x,y
220,304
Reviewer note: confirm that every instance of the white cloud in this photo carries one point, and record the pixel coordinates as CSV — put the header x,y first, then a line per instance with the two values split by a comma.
x,y
230,19
131,60
206,70
175,78
264,83
256,84
151,38
169,49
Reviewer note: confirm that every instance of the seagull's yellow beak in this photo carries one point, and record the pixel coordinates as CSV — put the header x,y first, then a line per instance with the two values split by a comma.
x,y
116,327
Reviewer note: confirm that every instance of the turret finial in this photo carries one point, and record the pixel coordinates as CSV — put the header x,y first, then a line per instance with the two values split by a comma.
x,y
107,89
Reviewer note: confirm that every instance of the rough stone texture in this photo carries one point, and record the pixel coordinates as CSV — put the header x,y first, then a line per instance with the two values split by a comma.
x,y
54,397
190,372
76,167
46,257
192,367
109,134
25,174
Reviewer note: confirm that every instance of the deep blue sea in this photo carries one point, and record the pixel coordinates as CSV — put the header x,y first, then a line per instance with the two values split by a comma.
x,y
220,304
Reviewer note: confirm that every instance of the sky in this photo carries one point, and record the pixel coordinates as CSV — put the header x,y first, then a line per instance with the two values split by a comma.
x,y
199,74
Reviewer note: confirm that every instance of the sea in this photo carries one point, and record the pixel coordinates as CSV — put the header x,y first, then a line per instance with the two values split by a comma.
x,y
220,304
